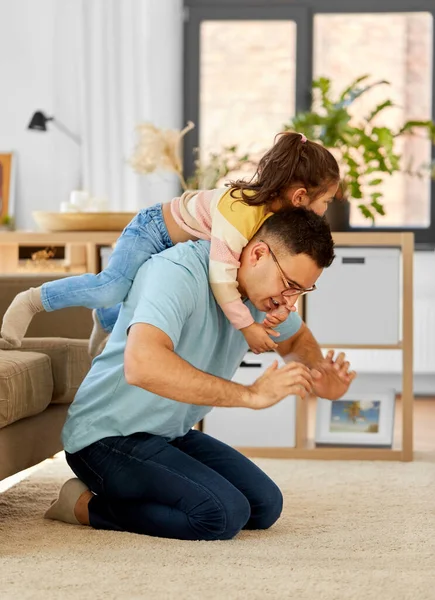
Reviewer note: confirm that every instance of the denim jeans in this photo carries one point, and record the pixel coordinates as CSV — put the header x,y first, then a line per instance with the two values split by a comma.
x,y
193,488
145,235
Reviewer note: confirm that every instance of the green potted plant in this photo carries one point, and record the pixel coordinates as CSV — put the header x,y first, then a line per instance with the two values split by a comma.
x,y
6,223
366,151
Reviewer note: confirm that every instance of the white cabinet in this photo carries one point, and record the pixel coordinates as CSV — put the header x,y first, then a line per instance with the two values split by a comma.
x,y
246,428
358,298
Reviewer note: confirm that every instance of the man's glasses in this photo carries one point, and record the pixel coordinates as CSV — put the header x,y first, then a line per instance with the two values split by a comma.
x,y
291,288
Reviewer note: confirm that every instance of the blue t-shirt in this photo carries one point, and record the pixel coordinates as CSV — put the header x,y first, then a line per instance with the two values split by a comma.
x,y
171,291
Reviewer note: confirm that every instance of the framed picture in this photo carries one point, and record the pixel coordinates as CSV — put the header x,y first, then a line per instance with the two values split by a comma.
x,y
358,419
7,186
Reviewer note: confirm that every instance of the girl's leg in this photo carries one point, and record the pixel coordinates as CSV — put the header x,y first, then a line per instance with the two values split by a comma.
x,y
107,317
104,320
144,484
144,236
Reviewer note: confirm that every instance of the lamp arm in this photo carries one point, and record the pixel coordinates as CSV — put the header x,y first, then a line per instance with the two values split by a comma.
x,y
66,131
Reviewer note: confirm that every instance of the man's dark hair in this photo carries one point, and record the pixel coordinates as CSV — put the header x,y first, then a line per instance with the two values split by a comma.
x,y
299,231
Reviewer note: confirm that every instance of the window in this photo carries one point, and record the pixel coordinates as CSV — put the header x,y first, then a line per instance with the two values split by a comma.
x,y
395,47
243,101
249,67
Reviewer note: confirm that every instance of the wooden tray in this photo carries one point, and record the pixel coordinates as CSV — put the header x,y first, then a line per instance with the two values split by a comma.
x,y
82,221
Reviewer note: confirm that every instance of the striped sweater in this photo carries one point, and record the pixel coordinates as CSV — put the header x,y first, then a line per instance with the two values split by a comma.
x,y
217,216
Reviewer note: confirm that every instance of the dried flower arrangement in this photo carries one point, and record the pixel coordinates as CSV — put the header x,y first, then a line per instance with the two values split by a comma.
x,y
160,150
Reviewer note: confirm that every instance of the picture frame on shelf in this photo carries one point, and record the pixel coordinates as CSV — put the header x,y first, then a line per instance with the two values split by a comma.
x,y
7,189
358,419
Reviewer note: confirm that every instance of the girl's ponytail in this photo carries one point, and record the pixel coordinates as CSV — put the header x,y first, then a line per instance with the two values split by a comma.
x,y
292,160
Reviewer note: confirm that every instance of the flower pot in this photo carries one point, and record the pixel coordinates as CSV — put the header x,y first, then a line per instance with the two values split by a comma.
x,y
338,215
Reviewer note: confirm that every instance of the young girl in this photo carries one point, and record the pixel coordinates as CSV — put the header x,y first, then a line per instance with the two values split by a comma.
x,y
294,171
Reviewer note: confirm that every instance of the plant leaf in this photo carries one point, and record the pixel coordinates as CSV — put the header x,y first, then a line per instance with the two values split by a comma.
x,y
366,212
378,207
379,108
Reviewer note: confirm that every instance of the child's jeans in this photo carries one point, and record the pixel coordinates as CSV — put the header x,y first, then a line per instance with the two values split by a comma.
x,y
144,236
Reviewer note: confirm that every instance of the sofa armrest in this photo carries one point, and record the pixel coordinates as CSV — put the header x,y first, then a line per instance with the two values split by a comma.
x,y
69,360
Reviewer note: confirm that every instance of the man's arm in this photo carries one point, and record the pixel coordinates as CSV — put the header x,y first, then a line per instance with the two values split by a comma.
x,y
301,346
151,363
331,378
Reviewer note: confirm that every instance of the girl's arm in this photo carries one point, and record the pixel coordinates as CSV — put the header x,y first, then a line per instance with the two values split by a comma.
x,y
233,225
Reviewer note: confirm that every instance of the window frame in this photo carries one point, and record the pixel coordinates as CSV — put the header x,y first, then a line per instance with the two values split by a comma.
x,y
303,13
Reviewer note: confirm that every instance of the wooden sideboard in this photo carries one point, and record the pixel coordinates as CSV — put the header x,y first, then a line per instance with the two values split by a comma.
x,y
81,250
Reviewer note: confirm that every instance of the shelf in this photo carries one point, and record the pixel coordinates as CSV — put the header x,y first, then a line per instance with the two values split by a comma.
x,y
398,346
335,453
81,249
403,447
58,238
367,240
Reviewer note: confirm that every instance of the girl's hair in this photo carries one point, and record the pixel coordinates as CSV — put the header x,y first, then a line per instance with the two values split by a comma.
x,y
292,160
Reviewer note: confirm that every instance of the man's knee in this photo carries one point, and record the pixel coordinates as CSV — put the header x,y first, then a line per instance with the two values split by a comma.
x,y
223,519
268,509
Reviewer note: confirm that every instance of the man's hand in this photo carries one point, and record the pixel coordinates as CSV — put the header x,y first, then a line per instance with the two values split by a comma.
x,y
257,337
277,383
332,378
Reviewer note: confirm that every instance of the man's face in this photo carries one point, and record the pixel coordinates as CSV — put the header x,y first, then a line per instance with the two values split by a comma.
x,y
263,281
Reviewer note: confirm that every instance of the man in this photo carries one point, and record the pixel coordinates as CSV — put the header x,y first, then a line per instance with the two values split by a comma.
x,y
128,436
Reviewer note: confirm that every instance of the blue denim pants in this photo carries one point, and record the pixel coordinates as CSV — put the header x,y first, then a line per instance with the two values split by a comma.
x,y
193,488
144,236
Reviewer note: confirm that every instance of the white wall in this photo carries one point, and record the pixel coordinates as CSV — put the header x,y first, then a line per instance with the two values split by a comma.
x,y
40,71
164,64
26,64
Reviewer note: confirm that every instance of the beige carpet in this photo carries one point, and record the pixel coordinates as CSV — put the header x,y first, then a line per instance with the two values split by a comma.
x,y
349,531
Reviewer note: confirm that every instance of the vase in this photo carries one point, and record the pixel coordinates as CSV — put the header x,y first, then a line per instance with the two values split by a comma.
x,y
338,215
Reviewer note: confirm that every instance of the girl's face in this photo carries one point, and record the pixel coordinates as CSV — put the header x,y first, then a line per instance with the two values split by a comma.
x,y
299,197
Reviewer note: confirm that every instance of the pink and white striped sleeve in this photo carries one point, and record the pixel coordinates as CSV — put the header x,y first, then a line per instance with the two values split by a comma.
x,y
226,247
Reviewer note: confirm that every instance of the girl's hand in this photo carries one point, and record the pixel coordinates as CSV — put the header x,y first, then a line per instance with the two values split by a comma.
x,y
277,316
258,338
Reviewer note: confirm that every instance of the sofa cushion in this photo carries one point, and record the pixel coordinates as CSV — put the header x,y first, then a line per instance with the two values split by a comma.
x,y
26,385
69,362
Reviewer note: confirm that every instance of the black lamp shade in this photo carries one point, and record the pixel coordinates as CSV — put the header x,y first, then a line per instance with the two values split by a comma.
x,y
39,121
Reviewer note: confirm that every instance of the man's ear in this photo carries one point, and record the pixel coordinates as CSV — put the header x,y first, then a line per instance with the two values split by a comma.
x,y
299,197
257,252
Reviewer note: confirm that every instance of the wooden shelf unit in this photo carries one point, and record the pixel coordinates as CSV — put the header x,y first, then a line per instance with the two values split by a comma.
x,y
305,448
84,245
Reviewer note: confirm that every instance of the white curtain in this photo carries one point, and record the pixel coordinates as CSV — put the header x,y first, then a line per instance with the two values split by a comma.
x,y
126,59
